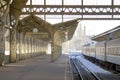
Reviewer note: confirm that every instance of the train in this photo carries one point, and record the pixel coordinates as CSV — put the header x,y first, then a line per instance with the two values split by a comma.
x,y
105,52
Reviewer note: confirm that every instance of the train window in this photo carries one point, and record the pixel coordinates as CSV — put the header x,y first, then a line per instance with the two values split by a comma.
x,y
97,50
94,49
118,51
101,50
109,51
115,51
112,51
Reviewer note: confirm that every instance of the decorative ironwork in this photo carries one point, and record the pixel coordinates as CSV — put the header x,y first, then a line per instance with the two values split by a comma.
x,y
85,11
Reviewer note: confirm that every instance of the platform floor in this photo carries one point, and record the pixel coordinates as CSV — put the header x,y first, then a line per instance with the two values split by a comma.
x,y
37,68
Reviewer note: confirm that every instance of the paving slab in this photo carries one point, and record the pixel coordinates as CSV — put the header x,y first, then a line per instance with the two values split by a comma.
x,y
37,68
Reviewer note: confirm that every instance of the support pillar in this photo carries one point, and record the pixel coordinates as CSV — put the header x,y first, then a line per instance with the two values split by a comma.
x,y
13,51
2,45
4,18
52,52
17,47
39,47
28,54
26,47
32,47
35,47
20,46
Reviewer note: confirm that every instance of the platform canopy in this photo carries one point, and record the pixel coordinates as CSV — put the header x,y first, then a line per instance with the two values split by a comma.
x,y
35,27
108,35
67,28
38,28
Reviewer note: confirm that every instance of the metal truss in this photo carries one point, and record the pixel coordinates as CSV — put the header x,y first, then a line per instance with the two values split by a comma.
x,y
2,8
85,11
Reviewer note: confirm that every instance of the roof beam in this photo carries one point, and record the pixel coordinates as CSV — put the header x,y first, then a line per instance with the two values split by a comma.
x,y
85,11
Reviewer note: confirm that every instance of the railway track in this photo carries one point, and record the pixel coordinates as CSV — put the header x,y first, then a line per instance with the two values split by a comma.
x,y
81,72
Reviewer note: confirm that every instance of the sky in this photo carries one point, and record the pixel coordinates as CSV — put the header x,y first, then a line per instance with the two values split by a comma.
x,y
98,26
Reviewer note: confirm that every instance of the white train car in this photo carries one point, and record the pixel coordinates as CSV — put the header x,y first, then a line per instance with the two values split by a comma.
x,y
89,50
100,51
107,49
113,51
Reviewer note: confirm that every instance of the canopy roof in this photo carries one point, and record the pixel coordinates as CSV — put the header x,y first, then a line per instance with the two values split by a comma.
x,y
36,27
46,30
67,28
110,34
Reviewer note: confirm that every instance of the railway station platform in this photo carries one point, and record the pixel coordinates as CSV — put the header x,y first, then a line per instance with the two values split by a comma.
x,y
37,68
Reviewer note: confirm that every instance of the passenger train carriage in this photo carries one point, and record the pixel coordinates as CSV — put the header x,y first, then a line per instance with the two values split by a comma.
x,y
106,51
113,51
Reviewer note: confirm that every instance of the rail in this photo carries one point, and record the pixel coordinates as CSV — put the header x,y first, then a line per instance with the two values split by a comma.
x,y
82,72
